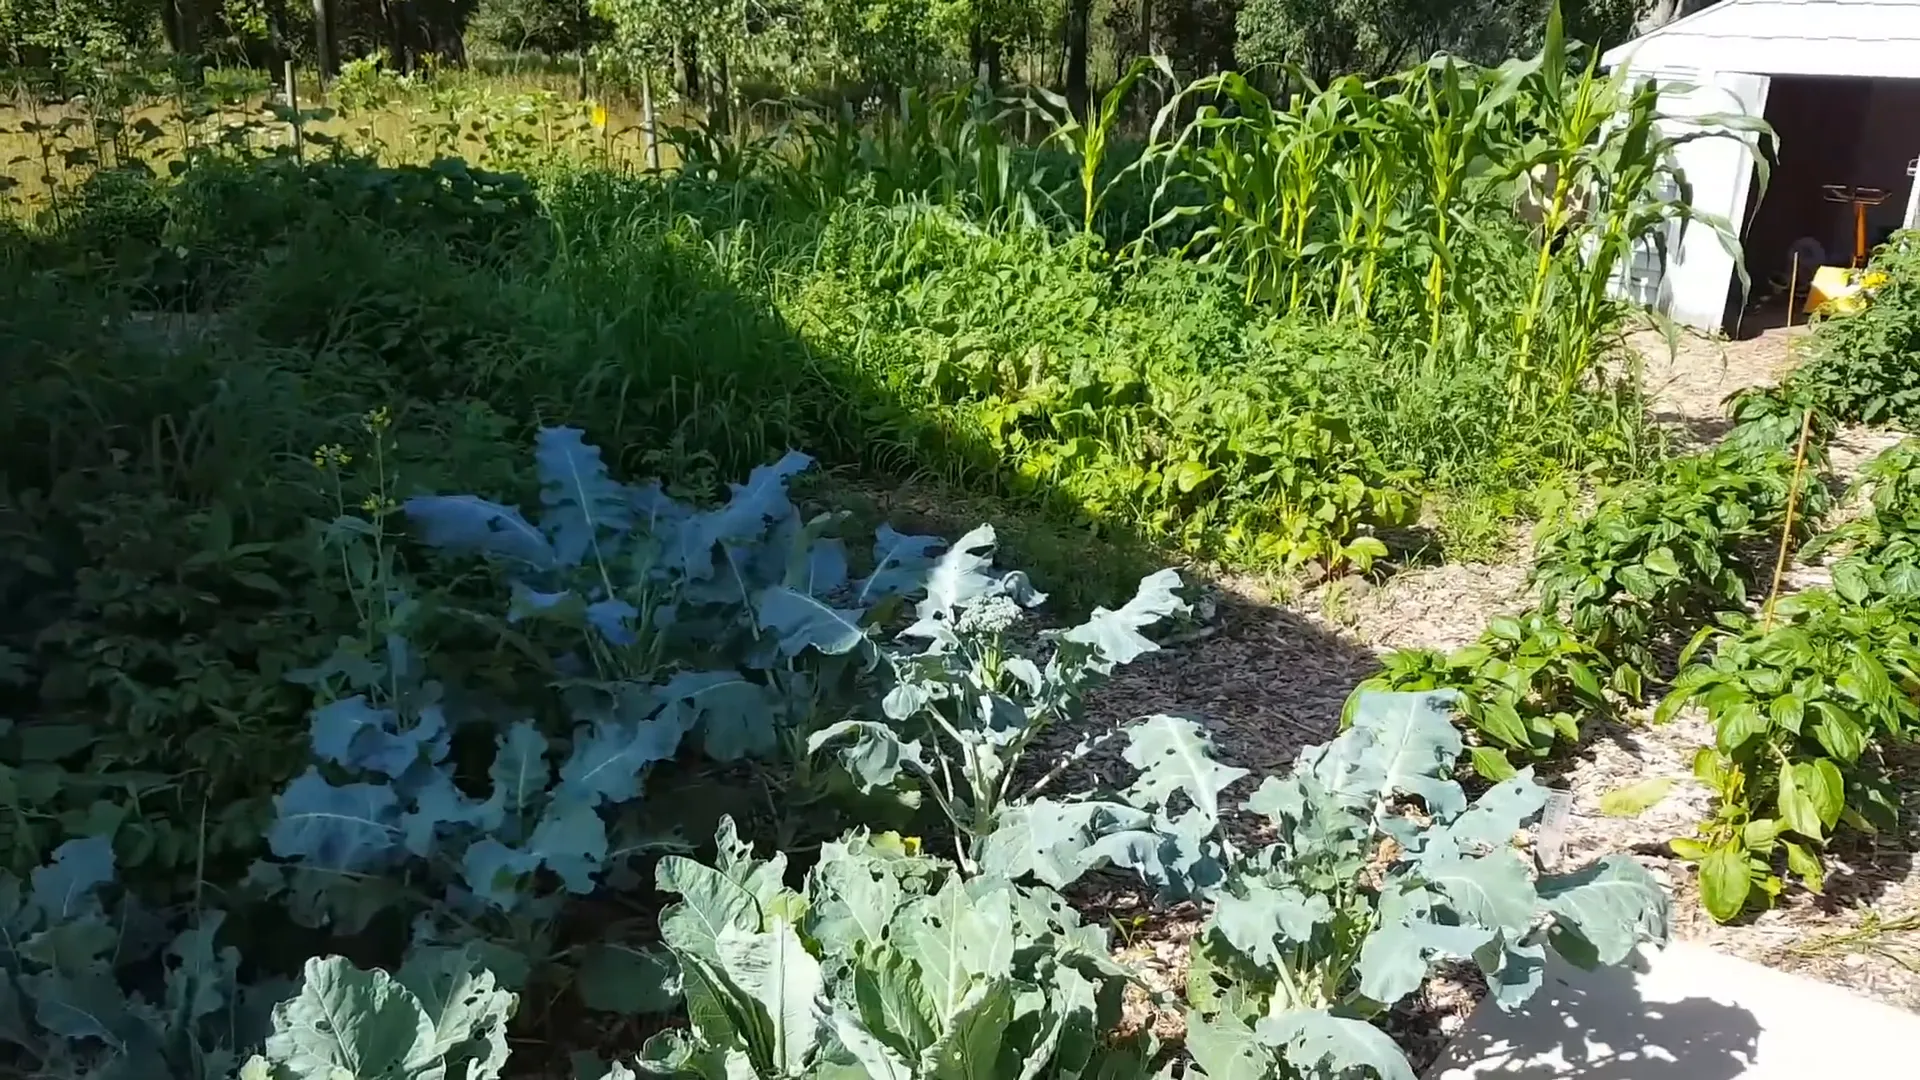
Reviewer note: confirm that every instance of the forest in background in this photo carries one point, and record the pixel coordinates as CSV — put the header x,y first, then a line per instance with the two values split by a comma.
x,y
708,49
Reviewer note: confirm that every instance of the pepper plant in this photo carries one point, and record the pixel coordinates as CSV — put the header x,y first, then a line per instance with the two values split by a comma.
x,y
1882,546
1800,711
1660,554
1525,684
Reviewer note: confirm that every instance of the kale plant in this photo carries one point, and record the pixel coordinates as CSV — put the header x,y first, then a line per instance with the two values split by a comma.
x,y
890,965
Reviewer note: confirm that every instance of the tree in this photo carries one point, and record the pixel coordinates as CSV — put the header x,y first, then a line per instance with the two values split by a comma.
x,y
46,34
552,27
326,47
1327,38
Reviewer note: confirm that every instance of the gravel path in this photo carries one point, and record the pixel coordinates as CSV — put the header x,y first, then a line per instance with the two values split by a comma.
x,y
1271,678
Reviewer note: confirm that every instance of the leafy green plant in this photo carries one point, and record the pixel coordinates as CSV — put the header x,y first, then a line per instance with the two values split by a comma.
x,y
439,1017
1768,421
1800,711
1659,555
1383,868
1859,365
965,704
737,628
1348,911
888,964
1524,686
1881,548
79,967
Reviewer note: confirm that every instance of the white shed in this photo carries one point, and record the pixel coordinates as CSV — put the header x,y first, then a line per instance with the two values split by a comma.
x,y
1839,81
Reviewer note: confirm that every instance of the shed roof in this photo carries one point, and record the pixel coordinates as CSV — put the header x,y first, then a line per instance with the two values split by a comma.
x,y
1862,38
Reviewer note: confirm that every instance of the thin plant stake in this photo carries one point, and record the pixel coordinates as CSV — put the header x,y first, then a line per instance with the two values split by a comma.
x,y
1786,530
1793,288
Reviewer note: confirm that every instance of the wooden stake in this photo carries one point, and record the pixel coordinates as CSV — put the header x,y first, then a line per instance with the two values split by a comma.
x,y
293,108
647,130
1793,288
1786,530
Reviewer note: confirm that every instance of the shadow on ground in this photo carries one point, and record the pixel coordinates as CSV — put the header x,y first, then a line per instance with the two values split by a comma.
x,y
1599,1027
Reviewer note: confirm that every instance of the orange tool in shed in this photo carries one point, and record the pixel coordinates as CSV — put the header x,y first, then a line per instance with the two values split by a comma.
x,y
1860,198
1838,288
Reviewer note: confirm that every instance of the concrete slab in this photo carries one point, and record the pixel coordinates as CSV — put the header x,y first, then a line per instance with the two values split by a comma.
x,y
1685,1013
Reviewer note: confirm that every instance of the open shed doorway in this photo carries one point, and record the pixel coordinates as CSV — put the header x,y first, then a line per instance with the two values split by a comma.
x,y
1861,133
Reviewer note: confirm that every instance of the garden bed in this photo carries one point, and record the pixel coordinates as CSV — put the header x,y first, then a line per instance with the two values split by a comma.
x,y
1274,676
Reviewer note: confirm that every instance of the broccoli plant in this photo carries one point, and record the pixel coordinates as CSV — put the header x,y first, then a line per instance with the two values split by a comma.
x,y
438,1018
966,703
79,993
889,964
652,627
1382,867
643,592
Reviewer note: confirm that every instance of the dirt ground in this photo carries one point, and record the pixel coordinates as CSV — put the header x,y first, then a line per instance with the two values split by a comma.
x,y
1270,678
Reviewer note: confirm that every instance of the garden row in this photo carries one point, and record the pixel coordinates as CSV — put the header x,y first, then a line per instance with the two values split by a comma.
x,y
733,658
1805,691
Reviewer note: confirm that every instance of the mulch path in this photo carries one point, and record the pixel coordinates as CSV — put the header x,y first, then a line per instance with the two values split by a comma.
x,y
1269,677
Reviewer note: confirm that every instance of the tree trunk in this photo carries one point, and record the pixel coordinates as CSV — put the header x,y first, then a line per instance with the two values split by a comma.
x,y
1079,16
690,68
180,20
648,131
984,52
580,43
277,39
399,34
324,53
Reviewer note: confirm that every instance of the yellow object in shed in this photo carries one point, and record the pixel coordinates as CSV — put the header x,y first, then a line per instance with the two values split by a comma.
x,y
1837,290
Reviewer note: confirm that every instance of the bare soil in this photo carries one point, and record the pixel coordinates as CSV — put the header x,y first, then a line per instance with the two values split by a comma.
x,y
1270,678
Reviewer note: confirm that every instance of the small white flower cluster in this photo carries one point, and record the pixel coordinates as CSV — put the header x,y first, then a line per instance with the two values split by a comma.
x,y
992,615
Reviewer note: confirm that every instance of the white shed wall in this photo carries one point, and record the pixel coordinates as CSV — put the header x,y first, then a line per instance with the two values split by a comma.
x,y
1863,38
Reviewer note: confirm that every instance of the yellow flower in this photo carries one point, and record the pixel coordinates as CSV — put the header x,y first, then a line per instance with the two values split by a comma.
x,y
599,115
331,456
910,844
377,420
